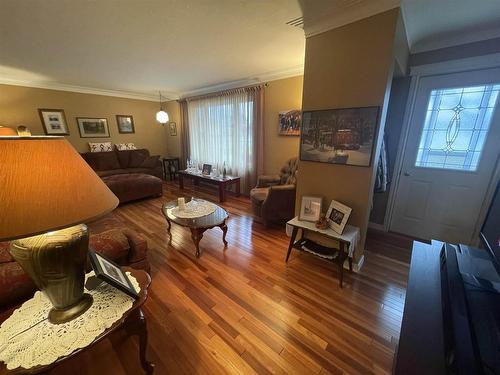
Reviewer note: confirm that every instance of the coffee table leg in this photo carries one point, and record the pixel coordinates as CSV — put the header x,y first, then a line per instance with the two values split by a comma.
x,y
197,235
223,226
139,327
169,225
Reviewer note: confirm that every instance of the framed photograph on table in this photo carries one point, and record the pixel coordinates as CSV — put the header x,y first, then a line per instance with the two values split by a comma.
x,y
53,121
337,216
207,169
125,124
111,273
93,127
310,208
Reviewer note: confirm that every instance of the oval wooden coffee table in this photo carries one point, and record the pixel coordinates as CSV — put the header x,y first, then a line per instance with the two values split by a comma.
x,y
197,225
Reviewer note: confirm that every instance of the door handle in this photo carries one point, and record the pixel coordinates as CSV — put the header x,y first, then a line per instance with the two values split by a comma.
x,y
406,174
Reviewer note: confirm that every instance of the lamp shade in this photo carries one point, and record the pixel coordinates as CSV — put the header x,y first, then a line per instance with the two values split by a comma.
x,y
162,117
45,185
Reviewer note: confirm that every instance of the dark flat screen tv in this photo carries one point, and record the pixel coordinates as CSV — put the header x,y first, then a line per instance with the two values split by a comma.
x,y
490,231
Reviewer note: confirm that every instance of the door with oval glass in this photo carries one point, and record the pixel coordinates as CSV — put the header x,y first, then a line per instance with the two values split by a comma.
x,y
450,156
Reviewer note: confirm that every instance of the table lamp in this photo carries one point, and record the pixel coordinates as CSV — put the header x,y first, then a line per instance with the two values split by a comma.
x,y
46,192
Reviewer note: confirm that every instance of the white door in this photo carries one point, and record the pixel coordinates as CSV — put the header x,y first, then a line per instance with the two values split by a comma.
x,y
451,153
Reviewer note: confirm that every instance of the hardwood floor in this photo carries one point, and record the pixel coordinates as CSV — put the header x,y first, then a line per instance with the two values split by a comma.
x,y
243,310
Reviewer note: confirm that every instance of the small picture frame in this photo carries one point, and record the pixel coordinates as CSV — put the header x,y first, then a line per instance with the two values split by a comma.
x,y
207,169
337,216
125,124
90,127
53,121
173,129
310,208
111,273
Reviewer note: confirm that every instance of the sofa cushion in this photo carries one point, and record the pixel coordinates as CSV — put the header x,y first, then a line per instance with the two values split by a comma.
x,y
137,157
113,244
111,172
5,256
259,194
102,161
150,162
132,186
139,170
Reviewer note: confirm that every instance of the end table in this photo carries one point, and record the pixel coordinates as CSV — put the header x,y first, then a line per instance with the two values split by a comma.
x,y
347,243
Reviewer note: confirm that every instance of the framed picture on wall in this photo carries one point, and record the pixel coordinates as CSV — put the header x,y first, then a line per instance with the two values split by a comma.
x,y
289,122
173,128
93,127
53,121
125,124
339,136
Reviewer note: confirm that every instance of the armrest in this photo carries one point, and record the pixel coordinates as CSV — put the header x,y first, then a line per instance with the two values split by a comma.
x,y
138,246
268,180
280,201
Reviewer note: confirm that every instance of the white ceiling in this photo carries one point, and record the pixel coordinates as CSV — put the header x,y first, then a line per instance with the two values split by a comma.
x,y
432,24
136,47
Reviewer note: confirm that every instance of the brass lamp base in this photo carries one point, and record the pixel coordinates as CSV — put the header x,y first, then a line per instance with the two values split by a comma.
x,y
56,263
57,316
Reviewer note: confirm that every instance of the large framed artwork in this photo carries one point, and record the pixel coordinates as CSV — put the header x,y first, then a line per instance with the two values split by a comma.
x,y
289,122
339,136
93,127
53,121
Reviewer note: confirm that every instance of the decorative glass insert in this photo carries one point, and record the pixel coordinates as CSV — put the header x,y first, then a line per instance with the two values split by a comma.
x,y
456,126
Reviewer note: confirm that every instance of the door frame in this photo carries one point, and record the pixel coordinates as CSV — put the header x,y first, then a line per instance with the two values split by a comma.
x,y
416,73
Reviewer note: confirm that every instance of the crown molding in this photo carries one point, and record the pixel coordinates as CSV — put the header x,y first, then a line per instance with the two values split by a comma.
x,y
87,90
169,96
259,78
348,14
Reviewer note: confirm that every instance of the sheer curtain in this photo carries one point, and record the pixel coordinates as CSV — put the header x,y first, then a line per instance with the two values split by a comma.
x,y
227,128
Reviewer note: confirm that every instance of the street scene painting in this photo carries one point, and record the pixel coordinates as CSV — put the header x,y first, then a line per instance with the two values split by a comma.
x,y
339,136
289,122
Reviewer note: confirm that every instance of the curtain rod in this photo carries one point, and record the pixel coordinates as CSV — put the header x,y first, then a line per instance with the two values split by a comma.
x,y
223,92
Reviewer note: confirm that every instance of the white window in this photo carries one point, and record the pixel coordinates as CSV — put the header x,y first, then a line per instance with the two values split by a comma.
x,y
456,125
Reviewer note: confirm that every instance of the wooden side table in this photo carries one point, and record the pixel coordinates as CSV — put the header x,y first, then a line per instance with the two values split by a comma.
x,y
133,321
347,242
171,167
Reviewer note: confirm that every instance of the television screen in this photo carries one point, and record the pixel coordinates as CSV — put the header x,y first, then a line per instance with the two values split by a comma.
x,y
490,232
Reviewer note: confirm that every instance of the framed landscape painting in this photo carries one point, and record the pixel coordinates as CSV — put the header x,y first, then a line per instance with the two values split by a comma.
x,y
289,122
93,127
125,124
53,121
339,136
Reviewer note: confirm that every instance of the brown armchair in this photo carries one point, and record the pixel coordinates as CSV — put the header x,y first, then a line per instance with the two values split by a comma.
x,y
273,199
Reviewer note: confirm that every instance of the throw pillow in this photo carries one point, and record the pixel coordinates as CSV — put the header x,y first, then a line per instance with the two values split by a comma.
x,y
150,162
125,146
100,147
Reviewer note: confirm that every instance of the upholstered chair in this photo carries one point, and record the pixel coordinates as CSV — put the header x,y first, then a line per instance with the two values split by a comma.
x,y
273,199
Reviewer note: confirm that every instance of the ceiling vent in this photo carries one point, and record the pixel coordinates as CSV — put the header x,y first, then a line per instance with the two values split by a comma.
x,y
296,22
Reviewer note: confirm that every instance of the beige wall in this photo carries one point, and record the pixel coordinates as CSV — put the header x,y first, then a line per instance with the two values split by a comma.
x,y
280,95
19,106
350,66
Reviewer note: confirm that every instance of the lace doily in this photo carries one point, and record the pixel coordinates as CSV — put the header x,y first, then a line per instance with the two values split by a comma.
x,y
44,342
194,209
